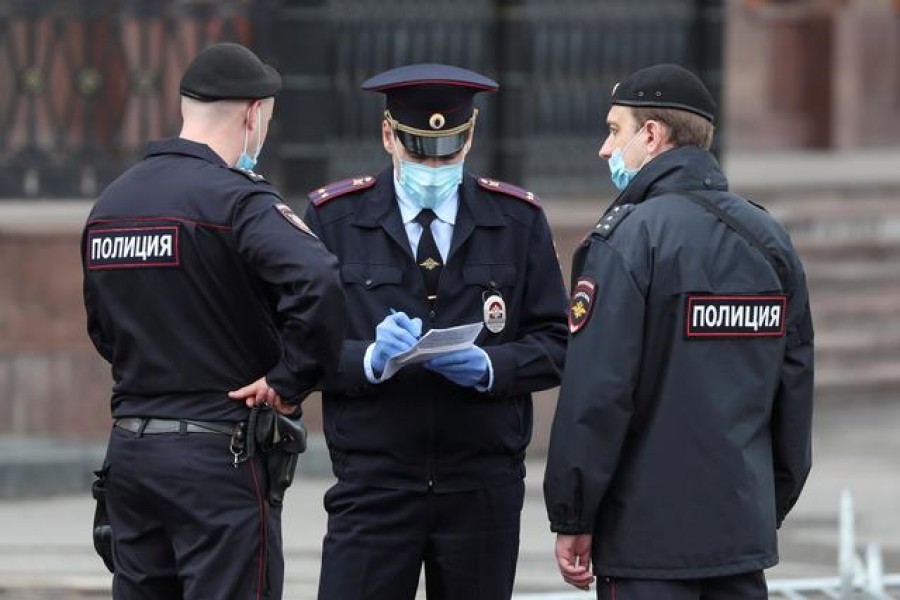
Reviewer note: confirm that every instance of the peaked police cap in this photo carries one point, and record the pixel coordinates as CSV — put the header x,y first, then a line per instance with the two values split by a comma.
x,y
431,107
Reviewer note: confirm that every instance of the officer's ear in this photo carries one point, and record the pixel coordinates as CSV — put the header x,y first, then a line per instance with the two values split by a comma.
x,y
253,114
658,134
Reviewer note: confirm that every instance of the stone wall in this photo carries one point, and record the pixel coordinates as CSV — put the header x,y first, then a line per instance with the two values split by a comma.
x,y
812,74
51,380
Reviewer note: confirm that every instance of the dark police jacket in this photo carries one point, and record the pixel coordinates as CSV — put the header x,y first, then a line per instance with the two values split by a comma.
x,y
417,429
682,434
198,280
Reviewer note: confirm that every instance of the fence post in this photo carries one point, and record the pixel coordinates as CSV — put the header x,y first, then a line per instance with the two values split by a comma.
x,y
874,570
847,543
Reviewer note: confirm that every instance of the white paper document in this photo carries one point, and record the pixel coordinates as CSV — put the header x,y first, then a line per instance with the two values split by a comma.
x,y
434,343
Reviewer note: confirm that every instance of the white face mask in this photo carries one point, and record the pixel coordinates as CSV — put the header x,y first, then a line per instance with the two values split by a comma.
x,y
427,186
430,186
620,174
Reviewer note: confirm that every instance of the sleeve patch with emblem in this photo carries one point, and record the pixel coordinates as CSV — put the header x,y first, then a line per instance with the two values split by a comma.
x,y
292,218
581,303
731,317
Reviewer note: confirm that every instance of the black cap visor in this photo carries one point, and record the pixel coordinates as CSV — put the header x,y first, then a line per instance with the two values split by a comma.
x,y
433,146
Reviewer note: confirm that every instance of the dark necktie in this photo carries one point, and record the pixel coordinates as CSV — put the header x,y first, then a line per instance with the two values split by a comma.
x,y
427,256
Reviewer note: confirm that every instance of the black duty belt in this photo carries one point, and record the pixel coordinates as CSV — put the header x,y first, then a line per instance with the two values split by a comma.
x,y
145,426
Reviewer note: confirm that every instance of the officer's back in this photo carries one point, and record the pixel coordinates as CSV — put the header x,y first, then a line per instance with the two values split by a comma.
x,y
199,280
682,433
175,314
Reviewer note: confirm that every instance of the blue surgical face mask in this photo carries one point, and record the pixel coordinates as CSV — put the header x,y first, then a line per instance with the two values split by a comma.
x,y
620,174
245,161
429,186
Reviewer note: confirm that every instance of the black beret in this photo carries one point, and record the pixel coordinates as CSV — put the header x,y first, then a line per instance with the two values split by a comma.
x,y
229,71
665,86
432,105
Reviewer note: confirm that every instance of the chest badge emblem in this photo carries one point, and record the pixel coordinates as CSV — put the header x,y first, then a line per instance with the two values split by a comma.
x,y
495,313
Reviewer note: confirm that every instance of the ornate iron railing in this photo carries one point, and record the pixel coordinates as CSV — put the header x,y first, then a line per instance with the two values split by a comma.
x,y
85,83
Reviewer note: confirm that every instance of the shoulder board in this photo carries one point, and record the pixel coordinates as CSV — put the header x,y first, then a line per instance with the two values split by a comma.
x,y
339,188
607,224
509,189
254,177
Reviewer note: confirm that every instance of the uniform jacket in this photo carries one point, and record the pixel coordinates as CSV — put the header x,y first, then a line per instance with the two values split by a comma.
x,y
198,280
418,430
682,434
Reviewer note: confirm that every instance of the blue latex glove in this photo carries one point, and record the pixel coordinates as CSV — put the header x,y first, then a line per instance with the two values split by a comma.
x,y
467,368
394,335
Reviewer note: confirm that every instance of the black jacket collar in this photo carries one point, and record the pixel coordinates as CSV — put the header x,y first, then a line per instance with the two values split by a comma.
x,y
687,168
184,147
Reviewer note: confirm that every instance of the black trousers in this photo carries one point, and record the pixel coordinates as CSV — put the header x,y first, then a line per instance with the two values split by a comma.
x,y
187,524
379,539
745,586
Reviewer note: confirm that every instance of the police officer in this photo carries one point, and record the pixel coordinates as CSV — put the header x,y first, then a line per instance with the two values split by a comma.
x,y
430,460
682,435
207,295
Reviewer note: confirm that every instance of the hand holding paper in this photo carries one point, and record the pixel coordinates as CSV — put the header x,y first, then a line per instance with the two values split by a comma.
x,y
466,367
435,342
396,334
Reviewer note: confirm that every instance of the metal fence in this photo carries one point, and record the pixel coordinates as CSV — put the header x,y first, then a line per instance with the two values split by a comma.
x,y
85,83
556,62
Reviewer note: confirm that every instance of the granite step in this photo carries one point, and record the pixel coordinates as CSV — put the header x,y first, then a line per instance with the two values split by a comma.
x,y
836,348
874,382
857,306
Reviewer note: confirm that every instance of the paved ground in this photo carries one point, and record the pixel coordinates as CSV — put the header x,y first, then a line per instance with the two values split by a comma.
x,y
45,551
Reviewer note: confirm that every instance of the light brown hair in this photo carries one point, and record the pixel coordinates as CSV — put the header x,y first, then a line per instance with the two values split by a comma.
x,y
685,128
